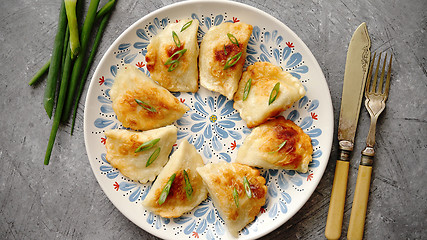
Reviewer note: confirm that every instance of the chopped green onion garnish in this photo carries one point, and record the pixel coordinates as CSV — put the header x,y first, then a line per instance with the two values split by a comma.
x,y
166,190
274,93
153,157
236,197
280,146
176,39
247,89
174,63
145,105
173,66
147,145
247,187
225,51
186,25
233,60
188,188
180,53
233,39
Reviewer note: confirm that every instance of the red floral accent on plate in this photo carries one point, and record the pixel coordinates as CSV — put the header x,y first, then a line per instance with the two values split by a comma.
x,y
182,100
195,234
309,177
116,186
140,64
290,45
103,140
101,80
176,20
314,115
233,145
235,20
262,210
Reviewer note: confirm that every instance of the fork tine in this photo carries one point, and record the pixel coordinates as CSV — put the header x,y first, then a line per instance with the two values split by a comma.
x,y
374,83
380,86
387,83
368,81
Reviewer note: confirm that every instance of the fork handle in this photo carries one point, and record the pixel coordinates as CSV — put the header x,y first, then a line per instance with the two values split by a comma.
x,y
361,195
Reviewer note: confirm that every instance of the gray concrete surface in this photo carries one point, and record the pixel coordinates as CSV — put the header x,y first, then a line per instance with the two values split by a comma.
x,y
64,201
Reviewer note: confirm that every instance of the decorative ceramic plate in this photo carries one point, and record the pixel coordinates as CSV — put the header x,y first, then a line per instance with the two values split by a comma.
x,y
212,125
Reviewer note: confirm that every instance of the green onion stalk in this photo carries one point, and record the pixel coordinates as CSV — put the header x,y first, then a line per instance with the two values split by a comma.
x,y
108,7
40,73
68,65
70,6
84,40
55,64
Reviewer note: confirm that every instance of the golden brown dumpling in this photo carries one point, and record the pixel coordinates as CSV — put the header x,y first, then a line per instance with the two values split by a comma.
x,y
277,144
121,145
256,109
221,180
157,106
177,203
184,78
216,48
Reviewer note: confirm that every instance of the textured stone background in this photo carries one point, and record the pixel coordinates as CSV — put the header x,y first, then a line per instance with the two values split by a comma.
x,y
64,200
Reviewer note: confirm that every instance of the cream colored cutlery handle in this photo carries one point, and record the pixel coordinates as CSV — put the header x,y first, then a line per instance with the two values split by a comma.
x,y
336,206
360,203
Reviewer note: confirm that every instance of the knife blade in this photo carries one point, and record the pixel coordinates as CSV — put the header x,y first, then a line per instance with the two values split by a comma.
x,y
356,66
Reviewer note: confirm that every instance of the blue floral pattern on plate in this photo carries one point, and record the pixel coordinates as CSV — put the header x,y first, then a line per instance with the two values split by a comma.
x,y
215,128
212,125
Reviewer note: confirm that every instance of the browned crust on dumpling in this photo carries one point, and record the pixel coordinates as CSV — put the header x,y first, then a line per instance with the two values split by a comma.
x,y
229,180
221,179
168,51
120,151
255,109
131,84
298,144
177,203
220,59
129,147
261,147
152,96
177,194
156,65
184,78
215,49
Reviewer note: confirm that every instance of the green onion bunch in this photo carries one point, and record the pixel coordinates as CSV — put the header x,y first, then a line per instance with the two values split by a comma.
x,y
69,55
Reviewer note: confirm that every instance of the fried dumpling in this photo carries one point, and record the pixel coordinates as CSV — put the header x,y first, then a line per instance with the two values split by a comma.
x,y
140,103
184,76
227,188
177,202
121,145
255,109
222,46
277,144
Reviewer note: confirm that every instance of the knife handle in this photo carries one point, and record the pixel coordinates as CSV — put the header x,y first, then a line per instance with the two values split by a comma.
x,y
336,206
361,195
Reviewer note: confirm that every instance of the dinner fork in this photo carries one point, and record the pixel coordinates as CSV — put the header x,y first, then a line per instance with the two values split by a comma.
x,y
375,99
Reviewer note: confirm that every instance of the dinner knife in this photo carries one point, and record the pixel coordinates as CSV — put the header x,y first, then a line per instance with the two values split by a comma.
x,y
356,66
